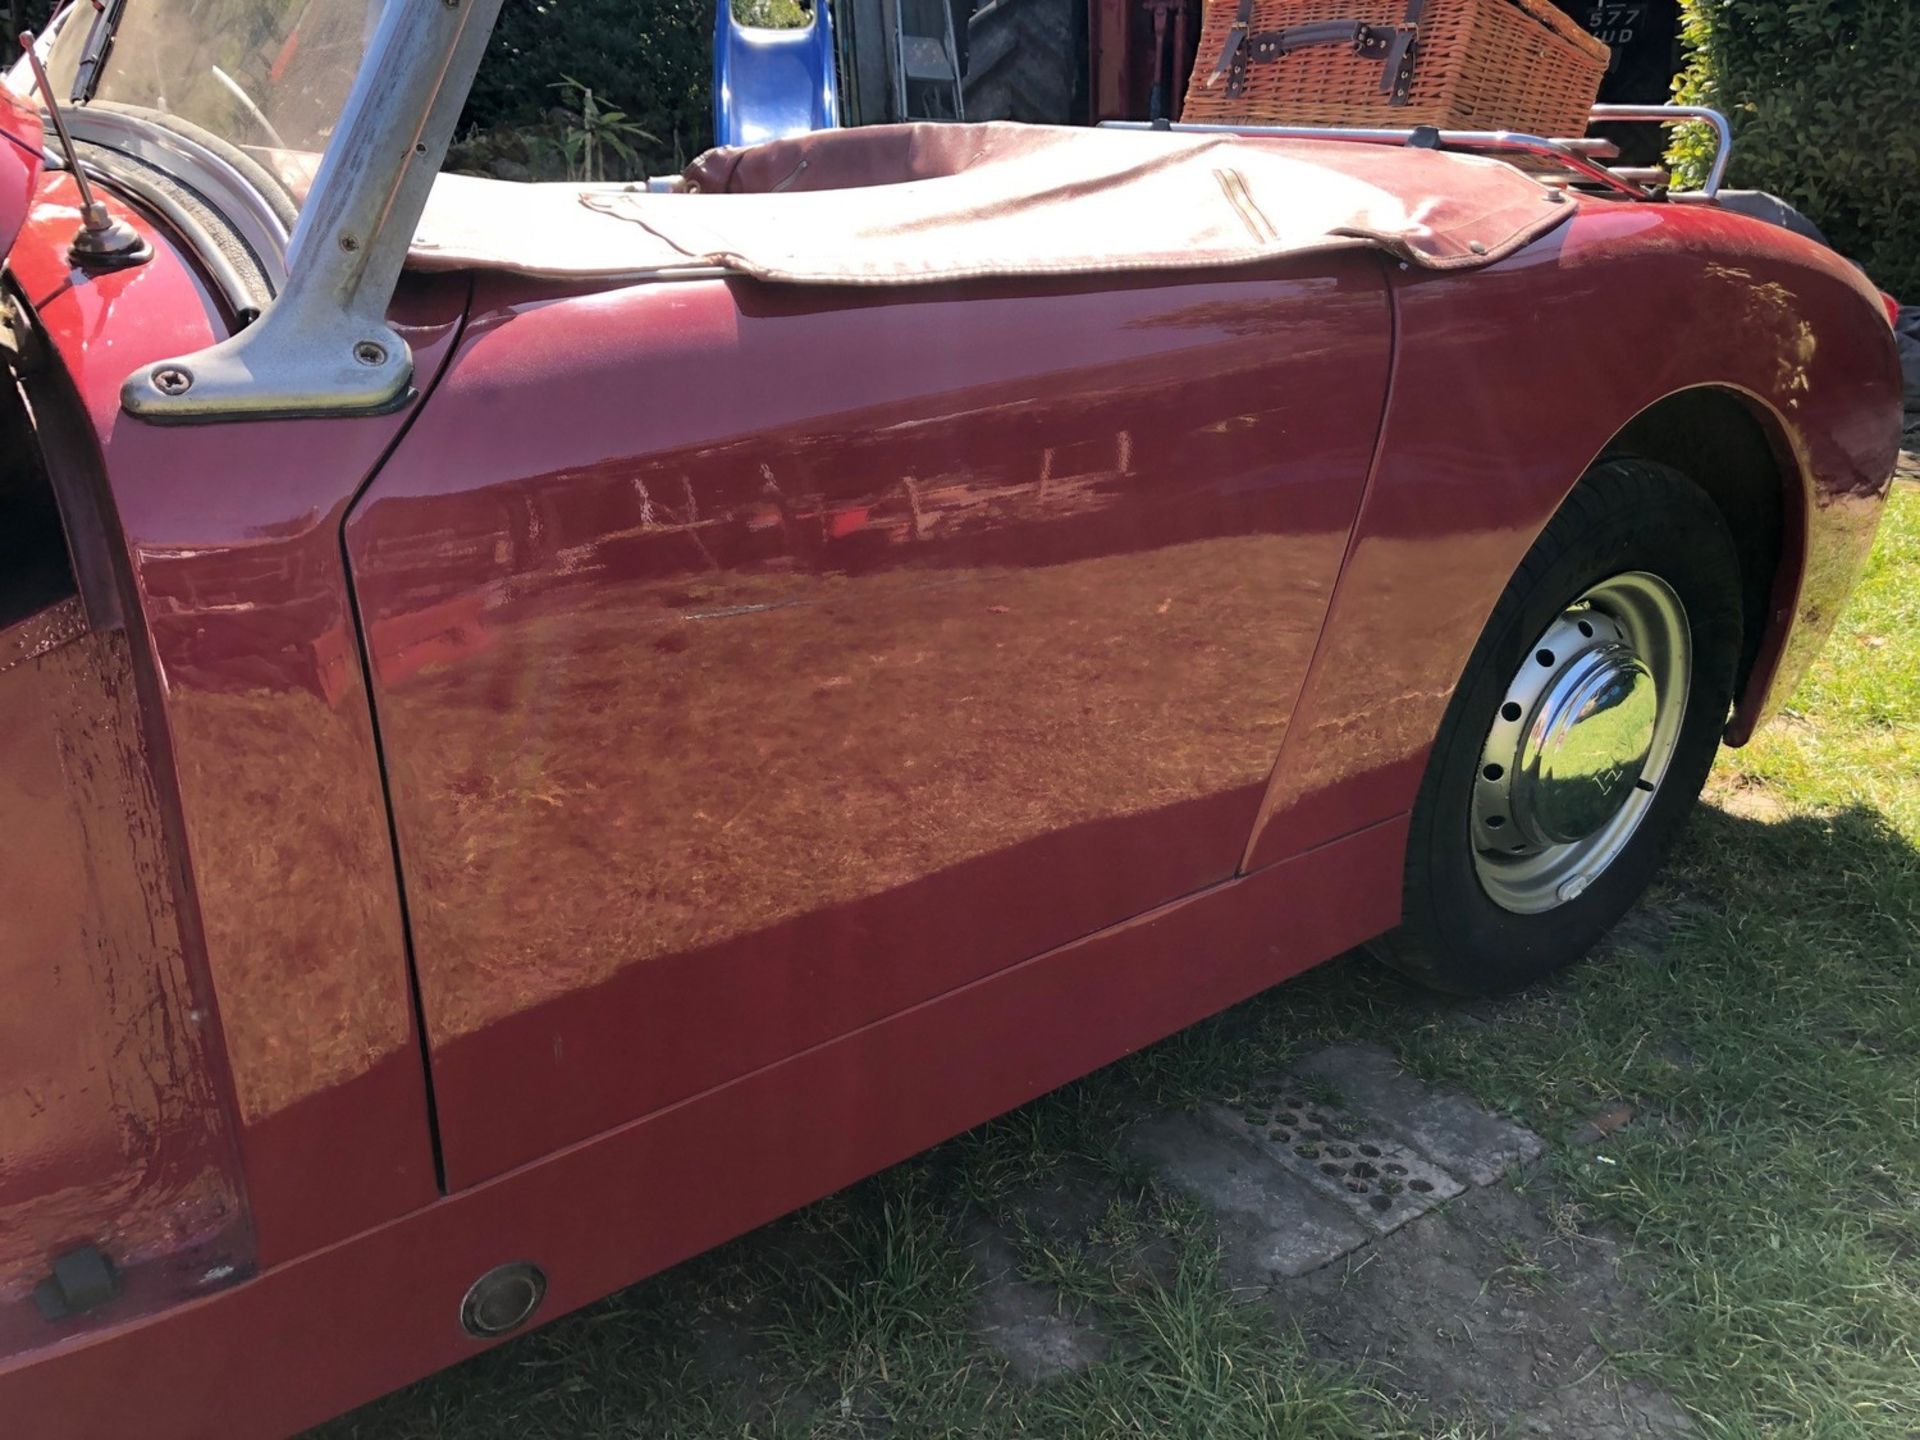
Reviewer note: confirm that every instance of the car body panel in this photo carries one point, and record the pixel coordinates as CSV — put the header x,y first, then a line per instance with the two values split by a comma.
x,y
1472,469
21,138
254,1361
115,1130
231,541
753,663
502,555
112,1128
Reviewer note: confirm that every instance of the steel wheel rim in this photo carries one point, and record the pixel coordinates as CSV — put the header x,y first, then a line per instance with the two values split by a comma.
x,y
1580,743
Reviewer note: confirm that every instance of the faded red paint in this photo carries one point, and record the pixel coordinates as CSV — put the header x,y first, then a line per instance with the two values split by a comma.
x,y
966,653
676,600
598,1215
231,539
112,1130
21,139
1508,383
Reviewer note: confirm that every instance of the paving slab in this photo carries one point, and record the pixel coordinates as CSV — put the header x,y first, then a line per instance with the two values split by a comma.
x,y
1450,1130
1376,1179
1023,1321
1491,1314
1271,1221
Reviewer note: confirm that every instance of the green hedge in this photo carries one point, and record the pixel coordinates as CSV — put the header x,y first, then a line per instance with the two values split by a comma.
x,y
1824,96
652,59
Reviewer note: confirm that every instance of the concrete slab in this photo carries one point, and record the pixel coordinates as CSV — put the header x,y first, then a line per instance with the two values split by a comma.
x,y
1271,1222
1022,1321
1449,1130
1489,1314
1372,1176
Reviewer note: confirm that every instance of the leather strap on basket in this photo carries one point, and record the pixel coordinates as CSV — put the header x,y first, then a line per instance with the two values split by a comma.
x,y
1395,46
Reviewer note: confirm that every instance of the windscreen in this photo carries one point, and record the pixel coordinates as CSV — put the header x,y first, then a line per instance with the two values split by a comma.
x,y
270,76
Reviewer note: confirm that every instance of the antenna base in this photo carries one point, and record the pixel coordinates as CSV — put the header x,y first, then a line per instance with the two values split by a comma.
x,y
111,244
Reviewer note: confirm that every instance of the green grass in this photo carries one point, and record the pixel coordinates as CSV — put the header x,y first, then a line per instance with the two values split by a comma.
x,y
1760,1013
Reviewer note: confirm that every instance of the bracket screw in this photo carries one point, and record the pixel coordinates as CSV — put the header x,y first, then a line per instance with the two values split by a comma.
x,y
368,352
172,380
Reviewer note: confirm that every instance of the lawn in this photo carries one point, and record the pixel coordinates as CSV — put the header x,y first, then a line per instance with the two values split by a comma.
x,y
1758,1015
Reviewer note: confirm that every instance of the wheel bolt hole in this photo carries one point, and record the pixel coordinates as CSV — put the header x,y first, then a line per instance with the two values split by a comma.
x,y
1586,629
1510,710
1545,657
1494,822
1494,772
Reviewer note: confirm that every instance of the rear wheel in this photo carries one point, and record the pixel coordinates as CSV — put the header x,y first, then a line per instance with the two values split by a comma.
x,y
1025,60
1579,737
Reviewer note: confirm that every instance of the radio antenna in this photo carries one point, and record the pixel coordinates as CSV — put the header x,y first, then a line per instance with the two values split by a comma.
x,y
103,242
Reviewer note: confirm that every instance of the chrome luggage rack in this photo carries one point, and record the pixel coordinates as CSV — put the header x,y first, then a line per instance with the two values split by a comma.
x,y
1579,157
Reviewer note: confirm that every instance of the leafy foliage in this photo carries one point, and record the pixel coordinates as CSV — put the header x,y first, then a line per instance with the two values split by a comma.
x,y
1824,96
651,62
771,14
597,139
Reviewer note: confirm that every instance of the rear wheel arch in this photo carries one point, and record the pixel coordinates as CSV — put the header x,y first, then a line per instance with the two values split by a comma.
x,y
1737,450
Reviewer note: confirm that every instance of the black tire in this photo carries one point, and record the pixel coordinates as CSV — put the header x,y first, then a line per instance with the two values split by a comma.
x,y
1625,515
1025,60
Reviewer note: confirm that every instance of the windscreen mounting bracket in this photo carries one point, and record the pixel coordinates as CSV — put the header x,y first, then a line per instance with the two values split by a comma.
x,y
323,346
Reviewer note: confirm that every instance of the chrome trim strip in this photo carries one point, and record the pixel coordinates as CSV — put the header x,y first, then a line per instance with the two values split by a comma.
x,y
1508,142
1673,115
1578,155
222,186
243,300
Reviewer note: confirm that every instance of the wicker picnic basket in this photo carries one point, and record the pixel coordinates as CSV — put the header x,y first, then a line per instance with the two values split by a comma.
x,y
1458,64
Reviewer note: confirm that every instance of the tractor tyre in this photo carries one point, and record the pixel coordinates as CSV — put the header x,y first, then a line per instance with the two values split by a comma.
x,y
1026,60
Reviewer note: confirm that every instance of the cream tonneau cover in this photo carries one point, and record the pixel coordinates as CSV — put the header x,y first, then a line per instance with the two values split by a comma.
x,y
914,204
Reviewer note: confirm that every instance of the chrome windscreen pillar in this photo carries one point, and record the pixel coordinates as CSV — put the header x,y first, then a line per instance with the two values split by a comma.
x,y
323,347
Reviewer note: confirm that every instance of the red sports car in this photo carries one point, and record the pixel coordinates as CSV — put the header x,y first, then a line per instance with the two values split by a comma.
x,y
542,726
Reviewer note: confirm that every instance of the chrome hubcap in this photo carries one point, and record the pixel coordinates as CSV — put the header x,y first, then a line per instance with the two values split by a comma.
x,y
1587,746
1580,743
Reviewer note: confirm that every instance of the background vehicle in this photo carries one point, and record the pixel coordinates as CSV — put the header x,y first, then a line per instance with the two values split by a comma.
x,y
549,735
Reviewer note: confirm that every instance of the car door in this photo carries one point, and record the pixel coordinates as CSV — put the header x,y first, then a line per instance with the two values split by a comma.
x,y
753,662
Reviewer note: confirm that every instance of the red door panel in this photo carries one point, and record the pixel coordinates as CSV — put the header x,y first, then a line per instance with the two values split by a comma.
x,y
751,664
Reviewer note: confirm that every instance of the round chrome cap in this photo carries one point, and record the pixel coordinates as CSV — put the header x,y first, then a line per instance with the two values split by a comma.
x,y
503,1299
1580,743
1581,757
